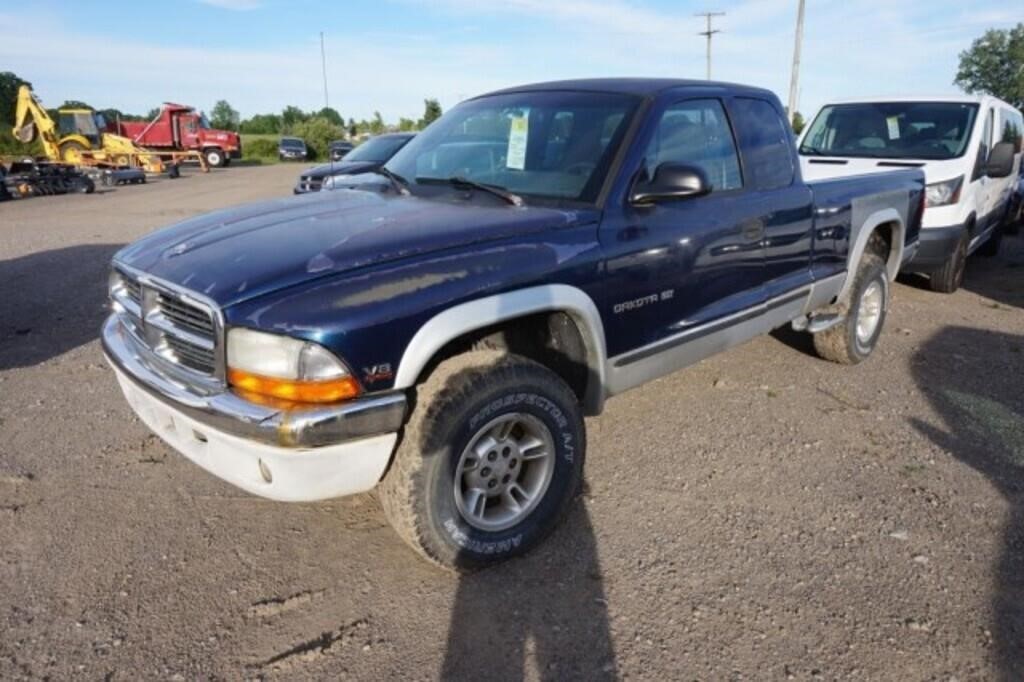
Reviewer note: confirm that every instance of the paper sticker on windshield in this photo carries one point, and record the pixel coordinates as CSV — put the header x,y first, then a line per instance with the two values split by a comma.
x,y
893,123
516,156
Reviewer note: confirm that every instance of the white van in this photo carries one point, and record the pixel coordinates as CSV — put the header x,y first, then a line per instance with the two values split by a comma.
x,y
969,148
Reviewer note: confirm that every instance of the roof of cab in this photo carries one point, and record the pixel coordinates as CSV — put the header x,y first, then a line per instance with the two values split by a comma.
x,y
643,87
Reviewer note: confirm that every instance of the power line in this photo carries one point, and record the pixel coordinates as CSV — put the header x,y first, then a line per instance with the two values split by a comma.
x,y
794,79
709,32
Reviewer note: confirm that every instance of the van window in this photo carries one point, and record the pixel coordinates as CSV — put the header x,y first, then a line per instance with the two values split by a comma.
x,y
765,142
1013,128
892,130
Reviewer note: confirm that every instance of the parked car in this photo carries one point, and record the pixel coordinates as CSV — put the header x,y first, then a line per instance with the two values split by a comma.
x,y
292,149
366,157
968,147
442,336
339,148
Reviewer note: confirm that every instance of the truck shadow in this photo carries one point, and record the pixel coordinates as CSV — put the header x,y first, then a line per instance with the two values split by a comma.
x,y
509,618
983,415
51,302
996,278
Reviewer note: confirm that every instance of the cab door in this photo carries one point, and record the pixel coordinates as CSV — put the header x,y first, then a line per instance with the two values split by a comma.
x,y
675,269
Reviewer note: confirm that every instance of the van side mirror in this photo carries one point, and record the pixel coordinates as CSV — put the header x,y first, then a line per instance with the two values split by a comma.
x,y
1000,160
671,181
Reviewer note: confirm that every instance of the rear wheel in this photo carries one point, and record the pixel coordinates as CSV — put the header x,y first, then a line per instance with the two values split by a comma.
x,y
71,152
853,340
489,462
950,275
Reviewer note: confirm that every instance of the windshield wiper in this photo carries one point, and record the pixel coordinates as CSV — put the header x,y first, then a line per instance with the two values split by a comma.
x,y
813,151
465,183
400,184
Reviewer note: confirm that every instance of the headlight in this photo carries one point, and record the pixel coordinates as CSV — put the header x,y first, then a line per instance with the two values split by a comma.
x,y
285,368
943,193
332,181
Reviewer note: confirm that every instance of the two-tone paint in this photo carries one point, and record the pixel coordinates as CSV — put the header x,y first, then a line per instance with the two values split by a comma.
x,y
385,280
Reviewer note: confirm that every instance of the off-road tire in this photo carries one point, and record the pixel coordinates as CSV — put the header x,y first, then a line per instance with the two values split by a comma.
x,y
71,151
950,275
460,395
840,343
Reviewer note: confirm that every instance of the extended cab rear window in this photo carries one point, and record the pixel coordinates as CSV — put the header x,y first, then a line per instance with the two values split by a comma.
x,y
765,142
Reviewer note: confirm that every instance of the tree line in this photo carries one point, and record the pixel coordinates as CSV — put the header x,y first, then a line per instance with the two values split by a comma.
x,y
226,117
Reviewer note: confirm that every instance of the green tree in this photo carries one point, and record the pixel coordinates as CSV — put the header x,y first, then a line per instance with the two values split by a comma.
x,y
261,124
406,125
353,130
332,115
377,124
995,64
223,116
431,112
74,104
9,84
318,132
798,123
290,116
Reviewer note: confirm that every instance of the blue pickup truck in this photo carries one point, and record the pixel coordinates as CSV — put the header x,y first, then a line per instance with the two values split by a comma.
x,y
440,332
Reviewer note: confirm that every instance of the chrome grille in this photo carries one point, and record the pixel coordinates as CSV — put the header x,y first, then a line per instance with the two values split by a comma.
x,y
178,327
310,184
185,315
191,355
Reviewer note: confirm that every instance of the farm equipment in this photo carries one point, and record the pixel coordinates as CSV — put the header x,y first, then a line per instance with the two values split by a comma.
x,y
181,128
78,137
29,179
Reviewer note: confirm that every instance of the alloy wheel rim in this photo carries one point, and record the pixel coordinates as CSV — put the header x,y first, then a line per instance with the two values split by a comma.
x,y
869,313
504,471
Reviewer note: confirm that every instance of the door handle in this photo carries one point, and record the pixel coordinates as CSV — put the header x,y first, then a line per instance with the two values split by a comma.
x,y
753,230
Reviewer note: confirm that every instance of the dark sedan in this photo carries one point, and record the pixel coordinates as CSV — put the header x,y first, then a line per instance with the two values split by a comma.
x,y
368,156
339,148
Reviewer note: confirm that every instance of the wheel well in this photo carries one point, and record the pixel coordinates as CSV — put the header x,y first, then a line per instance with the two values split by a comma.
x,y
550,338
883,241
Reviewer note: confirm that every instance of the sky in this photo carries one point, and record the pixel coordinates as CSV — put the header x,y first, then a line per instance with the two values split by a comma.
x,y
388,55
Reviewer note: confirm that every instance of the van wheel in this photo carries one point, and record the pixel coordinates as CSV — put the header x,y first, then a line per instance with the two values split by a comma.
x,y
489,462
950,276
856,336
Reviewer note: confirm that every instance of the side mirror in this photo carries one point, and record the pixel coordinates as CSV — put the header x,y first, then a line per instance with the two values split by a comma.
x,y
1000,160
671,181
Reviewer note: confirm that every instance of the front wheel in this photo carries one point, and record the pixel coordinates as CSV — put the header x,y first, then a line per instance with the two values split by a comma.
x,y
853,340
489,462
214,158
950,275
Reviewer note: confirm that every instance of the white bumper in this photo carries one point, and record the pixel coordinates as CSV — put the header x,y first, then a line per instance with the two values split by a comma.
x,y
284,474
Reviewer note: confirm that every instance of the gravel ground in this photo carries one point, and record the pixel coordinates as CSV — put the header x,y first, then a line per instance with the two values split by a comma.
x,y
763,515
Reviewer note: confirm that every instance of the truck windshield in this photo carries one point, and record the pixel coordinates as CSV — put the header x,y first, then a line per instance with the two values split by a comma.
x,y
546,144
378,149
892,130
203,122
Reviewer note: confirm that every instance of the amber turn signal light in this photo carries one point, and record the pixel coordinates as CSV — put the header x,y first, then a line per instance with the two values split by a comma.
x,y
327,391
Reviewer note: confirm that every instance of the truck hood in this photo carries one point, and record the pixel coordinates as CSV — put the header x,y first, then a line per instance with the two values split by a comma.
x,y
237,254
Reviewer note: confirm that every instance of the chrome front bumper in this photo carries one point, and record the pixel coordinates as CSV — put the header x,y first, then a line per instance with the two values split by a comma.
x,y
228,413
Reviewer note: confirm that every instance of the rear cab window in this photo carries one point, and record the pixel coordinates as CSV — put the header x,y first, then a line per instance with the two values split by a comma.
x,y
765,143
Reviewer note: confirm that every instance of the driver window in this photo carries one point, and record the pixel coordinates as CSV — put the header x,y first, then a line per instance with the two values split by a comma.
x,y
696,133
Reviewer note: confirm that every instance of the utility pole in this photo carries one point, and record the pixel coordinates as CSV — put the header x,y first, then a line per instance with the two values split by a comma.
x,y
794,79
709,32
323,64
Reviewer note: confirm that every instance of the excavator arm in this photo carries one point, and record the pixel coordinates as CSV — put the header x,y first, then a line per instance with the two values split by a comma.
x,y
31,120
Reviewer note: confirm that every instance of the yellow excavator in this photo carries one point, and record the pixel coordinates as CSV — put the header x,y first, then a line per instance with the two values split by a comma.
x,y
78,137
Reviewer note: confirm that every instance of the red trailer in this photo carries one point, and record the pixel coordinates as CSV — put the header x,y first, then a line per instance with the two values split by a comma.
x,y
181,128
